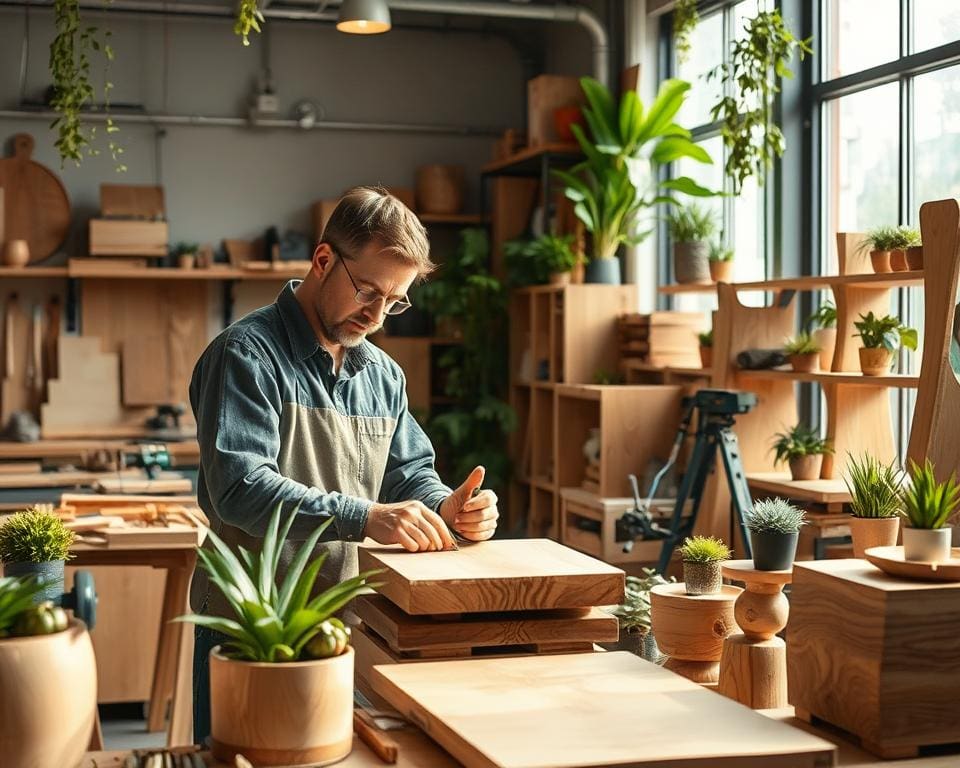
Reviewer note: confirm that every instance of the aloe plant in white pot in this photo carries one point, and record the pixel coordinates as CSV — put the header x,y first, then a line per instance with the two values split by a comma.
x,y
874,502
927,506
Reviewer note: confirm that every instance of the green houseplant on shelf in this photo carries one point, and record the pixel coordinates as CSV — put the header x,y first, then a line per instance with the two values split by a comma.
x,y
927,506
803,449
904,238
823,325
721,262
618,179
774,526
706,348
875,502
702,557
803,351
878,241
36,543
545,259
283,643
881,337
633,616
691,228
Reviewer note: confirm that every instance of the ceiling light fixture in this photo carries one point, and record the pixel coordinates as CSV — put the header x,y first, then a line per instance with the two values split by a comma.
x,y
364,17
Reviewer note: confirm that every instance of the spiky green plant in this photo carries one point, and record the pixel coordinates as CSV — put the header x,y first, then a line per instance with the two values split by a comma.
x,y
798,441
706,338
801,344
704,549
34,536
887,332
874,487
904,237
16,597
927,503
691,224
634,613
878,239
719,252
774,516
273,624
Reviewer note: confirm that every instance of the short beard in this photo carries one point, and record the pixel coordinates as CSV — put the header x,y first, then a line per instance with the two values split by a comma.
x,y
339,333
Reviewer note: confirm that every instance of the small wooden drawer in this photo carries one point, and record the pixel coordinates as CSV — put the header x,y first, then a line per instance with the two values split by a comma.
x,y
109,237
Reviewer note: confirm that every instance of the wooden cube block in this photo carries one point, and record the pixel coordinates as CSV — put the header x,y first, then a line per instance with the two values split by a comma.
x,y
545,94
875,655
110,237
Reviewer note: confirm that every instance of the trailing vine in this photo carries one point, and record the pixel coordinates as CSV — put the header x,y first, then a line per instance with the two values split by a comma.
x,y
685,20
248,17
752,78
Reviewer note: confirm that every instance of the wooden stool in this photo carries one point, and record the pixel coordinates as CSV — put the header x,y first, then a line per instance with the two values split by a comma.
x,y
753,665
691,629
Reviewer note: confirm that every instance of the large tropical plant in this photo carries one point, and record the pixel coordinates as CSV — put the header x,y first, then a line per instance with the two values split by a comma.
x,y
618,179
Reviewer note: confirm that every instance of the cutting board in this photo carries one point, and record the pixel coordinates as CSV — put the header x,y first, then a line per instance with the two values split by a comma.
x,y
35,203
506,575
591,709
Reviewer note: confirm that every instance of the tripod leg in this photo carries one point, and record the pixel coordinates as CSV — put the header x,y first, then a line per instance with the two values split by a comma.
x,y
737,480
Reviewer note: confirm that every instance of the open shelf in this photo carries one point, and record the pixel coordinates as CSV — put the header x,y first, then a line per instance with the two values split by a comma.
x,y
851,378
883,280
454,219
33,272
815,491
176,273
527,161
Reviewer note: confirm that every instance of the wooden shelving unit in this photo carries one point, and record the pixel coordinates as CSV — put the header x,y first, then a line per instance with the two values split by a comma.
x,y
146,273
867,280
33,272
527,160
848,378
452,219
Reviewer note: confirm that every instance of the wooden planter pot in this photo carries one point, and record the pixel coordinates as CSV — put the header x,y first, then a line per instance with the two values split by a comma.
x,y
440,188
706,356
915,257
826,338
869,532
806,467
875,362
559,278
805,363
898,260
298,713
880,261
48,698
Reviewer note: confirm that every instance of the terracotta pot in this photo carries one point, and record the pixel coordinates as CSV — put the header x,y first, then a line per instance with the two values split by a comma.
x,y
880,261
869,532
690,262
806,467
16,253
706,357
702,578
440,188
927,545
186,260
898,260
827,339
721,271
48,698
564,118
296,713
559,278
805,363
915,257
875,361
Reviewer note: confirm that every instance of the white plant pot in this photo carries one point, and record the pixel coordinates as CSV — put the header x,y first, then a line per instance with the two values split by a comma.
x,y
927,545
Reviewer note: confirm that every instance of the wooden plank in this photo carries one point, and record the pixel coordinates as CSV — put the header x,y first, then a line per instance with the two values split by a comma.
x,y
129,238
136,201
413,356
812,283
830,378
498,575
66,479
141,360
530,153
817,491
565,711
404,632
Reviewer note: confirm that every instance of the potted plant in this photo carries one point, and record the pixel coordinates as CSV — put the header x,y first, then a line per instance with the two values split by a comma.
x,y
702,556
545,259
903,239
823,323
875,503
36,543
881,337
633,615
691,228
706,348
283,641
48,679
185,255
927,505
915,255
803,351
879,241
774,526
721,263
803,449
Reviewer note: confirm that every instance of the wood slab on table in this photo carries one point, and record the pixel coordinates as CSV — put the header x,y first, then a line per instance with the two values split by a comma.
x,y
503,575
609,709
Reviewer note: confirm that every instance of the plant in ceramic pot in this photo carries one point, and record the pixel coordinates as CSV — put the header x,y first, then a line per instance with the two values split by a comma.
x,y
774,526
878,242
702,557
721,262
927,506
803,351
282,683
804,449
633,616
881,338
874,502
706,348
903,239
35,542
823,324
691,228
545,259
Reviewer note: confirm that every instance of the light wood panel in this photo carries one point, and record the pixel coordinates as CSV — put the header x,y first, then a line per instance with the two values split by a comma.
x,y
859,420
129,238
413,356
138,201
581,710
497,575
828,378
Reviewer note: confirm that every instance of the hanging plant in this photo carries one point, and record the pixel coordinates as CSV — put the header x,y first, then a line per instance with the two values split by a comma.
x,y
685,20
249,17
751,80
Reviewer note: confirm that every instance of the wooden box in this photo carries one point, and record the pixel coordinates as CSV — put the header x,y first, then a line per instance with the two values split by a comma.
x,y
109,237
661,338
875,655
545,94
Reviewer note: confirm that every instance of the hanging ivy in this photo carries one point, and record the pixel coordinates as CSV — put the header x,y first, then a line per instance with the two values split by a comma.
x,y
249,17
685,20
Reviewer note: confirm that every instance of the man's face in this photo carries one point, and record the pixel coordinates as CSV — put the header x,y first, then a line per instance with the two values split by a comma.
x,y
374,273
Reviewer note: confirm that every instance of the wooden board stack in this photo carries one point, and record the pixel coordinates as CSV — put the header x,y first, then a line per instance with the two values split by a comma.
x,y
496,598
661,338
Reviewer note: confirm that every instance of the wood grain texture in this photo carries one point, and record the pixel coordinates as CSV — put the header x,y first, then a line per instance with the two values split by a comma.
x,y
875,655
16,393
890,559
136,201
754,673
563,711
692,627
499,575
129,238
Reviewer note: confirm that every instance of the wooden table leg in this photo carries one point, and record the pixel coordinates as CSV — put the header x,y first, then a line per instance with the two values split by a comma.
x,y
181,708
175,596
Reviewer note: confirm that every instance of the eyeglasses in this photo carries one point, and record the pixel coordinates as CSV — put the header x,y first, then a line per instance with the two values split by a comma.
x,y
366,297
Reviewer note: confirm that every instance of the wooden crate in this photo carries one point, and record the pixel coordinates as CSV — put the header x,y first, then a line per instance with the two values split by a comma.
x,y
661,338
109,237
546,93
875,655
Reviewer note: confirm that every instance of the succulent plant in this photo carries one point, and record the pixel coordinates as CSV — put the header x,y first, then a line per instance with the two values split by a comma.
x,y
927,503
774,516
34,536
801,344
704,549
874,487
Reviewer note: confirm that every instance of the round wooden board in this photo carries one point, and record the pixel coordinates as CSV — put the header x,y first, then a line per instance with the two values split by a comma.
x,y
35,203
890,560
743,570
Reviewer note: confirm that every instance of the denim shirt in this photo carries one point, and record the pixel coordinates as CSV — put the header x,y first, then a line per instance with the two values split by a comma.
x,y
276,424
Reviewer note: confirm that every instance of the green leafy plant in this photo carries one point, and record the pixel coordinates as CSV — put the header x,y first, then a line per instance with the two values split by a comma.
x,y
691,224
634,613
758,62
886,332
799,440
34,536
874,487
706,338
249,17
685,20
704,549
277,622
619,177
905,237
181,249
927,503
532,261
16,598
719,252
879,239
774,516
824,317
801,344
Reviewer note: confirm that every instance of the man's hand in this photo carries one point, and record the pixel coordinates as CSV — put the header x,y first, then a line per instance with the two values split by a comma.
x,y
473,517
410,524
